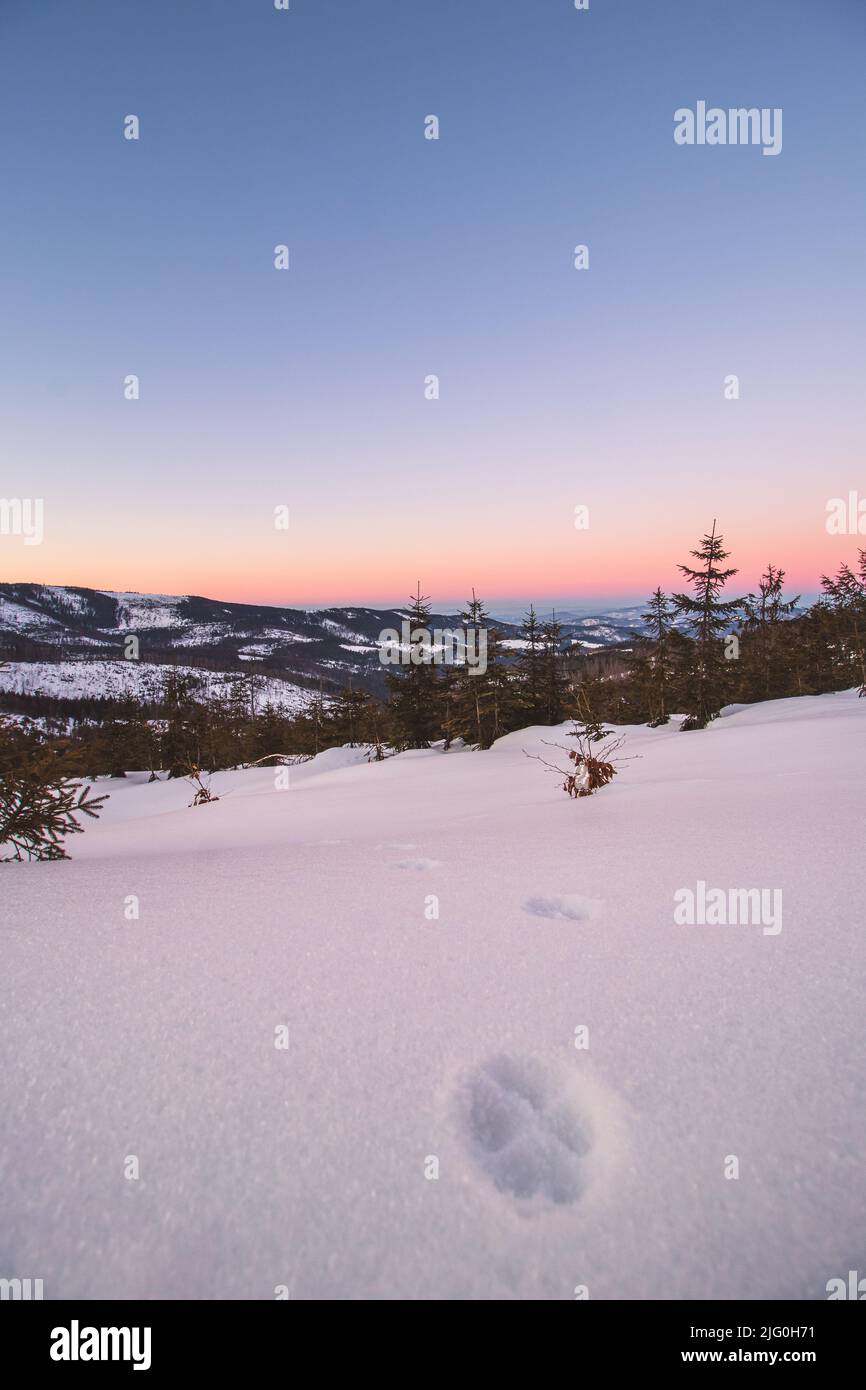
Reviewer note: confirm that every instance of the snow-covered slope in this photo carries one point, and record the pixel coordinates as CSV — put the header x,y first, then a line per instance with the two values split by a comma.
x,y
419,1043
50,615
143,680
308,649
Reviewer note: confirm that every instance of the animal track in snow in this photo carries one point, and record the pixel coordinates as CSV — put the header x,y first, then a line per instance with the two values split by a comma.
x,y
541,1129
570,906
417,864
527,1128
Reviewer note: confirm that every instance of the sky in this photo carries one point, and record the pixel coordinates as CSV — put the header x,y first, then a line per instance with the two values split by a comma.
x,y
409,257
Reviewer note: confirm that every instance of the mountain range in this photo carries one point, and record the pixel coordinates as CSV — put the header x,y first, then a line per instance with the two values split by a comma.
x,y
85,632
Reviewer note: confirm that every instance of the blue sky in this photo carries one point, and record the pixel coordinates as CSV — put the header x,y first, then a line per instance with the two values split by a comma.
x,y
411,257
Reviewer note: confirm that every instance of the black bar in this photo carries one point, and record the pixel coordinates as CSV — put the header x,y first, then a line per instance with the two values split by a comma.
x,y
225,1338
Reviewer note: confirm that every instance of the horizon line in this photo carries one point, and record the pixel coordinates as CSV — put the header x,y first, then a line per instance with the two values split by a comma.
x,y
446,605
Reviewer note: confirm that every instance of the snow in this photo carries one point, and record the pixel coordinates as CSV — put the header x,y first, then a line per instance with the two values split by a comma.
x,y
339,630
146,610
417,1041
17,617
279,634
92,679
66,600
255,650
189,634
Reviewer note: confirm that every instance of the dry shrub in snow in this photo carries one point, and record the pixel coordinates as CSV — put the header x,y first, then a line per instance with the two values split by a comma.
x,y
589,767
203,793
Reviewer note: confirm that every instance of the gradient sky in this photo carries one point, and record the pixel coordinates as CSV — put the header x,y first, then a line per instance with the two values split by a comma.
x,y
410,257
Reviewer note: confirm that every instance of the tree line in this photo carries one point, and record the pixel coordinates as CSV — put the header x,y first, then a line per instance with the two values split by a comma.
x,y
696,651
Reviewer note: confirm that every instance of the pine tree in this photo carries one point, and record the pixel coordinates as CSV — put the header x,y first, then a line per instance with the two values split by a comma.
x,y
655,658
39,804
846,596
234,720
503,689
269,739
315,723
810,651
478,699
554,684
530,670
414,688
706,678
124,743
180,744
588,725
763,669
475,688
349,717
450,703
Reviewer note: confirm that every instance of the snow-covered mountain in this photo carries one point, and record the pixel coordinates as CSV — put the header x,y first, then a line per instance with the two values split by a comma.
x,y
85,620
37,619
68,641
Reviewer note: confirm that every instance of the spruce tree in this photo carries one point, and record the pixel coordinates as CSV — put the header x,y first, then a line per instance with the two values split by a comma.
x,y
475,691
811,651
183,730
479,697
315,720
349,717
588,725
554,684
414,687
503,688
846,596
706,678
657,649
237,720
763,665
269,738
125,742
39,804
450,702
530,670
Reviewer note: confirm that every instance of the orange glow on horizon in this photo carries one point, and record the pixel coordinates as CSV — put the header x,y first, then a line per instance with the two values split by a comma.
x,y
595,571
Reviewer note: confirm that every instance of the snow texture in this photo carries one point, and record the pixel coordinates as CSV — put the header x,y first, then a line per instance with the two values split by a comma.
x,y
420,1043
